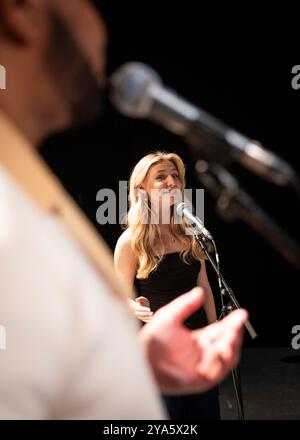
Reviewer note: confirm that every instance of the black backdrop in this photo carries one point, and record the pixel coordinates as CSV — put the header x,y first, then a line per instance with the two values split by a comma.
x,y
236,64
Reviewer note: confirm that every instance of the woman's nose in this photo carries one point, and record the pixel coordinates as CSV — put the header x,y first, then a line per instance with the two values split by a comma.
x,y
170,181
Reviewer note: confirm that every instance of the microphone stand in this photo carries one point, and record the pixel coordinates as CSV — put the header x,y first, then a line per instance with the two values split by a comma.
x,y
232,304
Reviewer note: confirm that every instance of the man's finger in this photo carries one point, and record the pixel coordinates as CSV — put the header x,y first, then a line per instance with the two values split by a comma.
x,y
224,339
182,307
235,319
233,335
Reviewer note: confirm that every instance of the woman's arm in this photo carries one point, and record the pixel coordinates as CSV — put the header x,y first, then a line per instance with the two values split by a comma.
x,y
209,302
125,267
125,260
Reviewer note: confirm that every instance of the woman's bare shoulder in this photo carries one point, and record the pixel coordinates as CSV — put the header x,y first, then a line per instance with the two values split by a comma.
x,y
125,238
124,243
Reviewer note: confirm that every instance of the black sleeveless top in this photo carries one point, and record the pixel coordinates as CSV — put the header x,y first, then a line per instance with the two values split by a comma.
x,y
171,279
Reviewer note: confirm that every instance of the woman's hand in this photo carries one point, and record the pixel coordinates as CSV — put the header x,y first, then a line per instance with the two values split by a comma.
x,y
141,308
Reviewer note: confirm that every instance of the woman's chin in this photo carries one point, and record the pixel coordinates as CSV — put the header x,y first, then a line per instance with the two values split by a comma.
x,y
168,201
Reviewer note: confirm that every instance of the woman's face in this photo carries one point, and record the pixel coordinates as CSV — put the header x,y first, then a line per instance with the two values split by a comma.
x,y
162,183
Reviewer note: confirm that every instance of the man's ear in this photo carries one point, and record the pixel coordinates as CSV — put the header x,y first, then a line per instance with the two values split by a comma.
x,y
20,19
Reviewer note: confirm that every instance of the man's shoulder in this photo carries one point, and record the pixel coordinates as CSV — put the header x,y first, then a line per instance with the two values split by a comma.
x,y
11,195
14,210
40,242
39,239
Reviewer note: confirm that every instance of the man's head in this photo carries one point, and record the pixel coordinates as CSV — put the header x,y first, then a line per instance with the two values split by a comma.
x,y
55,55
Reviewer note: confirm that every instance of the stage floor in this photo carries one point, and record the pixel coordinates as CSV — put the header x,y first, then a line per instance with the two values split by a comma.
x,y
270,379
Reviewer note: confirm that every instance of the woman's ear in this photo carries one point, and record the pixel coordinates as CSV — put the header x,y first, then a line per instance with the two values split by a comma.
x,y
19,20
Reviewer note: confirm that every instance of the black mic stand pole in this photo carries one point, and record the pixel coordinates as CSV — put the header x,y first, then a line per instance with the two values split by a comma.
x,y
232,304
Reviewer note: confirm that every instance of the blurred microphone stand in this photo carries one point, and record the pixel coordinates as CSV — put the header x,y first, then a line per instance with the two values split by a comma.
x,y
233,203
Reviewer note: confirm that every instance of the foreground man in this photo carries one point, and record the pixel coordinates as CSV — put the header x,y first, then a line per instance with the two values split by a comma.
x,y
72,351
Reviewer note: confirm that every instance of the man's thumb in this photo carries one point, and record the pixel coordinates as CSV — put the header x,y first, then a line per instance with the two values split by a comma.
x,y
183,306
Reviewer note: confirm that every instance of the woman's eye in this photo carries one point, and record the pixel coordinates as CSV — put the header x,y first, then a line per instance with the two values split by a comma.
x,y
175,176
160,177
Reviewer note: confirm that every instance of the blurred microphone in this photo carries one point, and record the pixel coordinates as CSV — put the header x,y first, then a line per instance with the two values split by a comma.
x,y
137,91
183,210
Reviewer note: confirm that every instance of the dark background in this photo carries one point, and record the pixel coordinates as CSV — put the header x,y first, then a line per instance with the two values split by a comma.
x,y
236,64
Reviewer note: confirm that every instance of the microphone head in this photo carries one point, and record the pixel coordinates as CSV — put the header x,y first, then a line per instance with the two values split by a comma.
x,y
180,208
129,86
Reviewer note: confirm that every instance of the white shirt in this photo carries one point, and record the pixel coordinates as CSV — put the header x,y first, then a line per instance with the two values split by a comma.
x,y
71,350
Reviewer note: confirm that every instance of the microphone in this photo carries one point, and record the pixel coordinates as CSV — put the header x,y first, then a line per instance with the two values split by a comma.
x,y
137,91
182,209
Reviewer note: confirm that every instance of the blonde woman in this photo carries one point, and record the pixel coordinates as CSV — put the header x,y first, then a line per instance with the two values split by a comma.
x,y
155,255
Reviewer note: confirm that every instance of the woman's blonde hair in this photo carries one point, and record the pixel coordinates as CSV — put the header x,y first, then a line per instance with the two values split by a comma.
x,y
145,235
